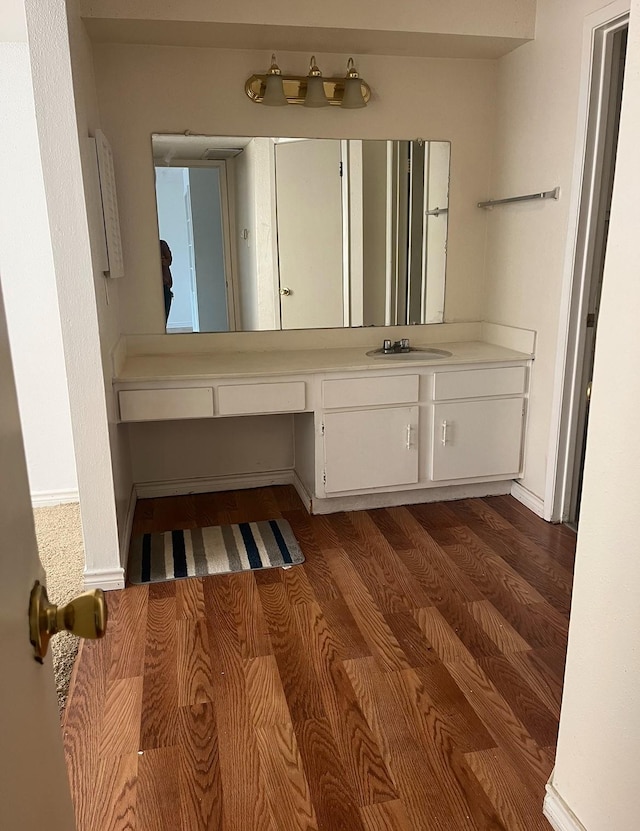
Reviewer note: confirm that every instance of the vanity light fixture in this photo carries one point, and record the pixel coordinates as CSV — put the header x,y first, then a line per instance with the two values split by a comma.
x,y
313,90
273,86
315,95
352,98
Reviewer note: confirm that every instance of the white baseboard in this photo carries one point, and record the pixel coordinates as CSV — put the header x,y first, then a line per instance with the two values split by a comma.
x,y
125,536
302,491
212,484
558,812
390,499
43,499
107,579
242,481
530,500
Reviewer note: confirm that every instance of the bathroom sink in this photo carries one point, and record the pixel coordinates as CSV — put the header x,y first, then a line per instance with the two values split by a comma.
x,y
415,353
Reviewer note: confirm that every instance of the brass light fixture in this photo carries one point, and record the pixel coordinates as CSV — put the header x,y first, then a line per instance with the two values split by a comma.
x,y
275,89
352,98
315,95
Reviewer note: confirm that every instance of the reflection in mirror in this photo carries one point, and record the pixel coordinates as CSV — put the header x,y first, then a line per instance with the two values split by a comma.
x,y
281,233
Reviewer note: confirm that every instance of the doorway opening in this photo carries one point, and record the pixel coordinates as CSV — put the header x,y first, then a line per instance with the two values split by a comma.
x,y
578,341
193,220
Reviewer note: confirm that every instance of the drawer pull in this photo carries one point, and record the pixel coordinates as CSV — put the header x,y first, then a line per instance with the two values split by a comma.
x,y
444,432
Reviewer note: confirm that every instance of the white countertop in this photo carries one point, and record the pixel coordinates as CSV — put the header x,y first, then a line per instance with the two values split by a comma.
x,y
226,364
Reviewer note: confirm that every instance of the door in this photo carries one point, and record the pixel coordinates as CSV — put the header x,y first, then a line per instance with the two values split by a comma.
x,y
309,206
34,791
366,449
602,211
473,439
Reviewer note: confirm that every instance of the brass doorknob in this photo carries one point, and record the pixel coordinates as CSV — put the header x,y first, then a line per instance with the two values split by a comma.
x,y
85,616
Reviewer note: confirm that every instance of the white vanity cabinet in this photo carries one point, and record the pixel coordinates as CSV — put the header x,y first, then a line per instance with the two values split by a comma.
x,y
360,436
369,440
478,423
376,448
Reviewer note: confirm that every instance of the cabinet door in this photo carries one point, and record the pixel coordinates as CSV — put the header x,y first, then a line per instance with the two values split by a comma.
x,y
477,438
370,448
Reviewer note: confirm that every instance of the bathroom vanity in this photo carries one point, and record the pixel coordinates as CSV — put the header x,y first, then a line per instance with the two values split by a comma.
x,y
368,430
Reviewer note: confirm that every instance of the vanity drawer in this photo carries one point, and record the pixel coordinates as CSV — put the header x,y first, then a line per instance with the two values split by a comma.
x,y
370,392
479,383
163,405
255,399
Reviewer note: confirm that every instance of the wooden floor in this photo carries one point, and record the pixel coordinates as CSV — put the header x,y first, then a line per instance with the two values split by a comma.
x,y
407,676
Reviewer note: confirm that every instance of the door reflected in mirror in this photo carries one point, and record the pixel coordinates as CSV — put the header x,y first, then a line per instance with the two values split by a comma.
x,y
281,233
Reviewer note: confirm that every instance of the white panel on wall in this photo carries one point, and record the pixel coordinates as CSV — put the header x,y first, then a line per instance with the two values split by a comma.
x,y
94,205
109,205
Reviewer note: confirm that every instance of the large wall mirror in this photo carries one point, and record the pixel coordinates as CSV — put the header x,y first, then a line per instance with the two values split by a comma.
x,y
282,233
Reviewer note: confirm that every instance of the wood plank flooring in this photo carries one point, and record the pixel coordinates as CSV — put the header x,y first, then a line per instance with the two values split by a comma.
x,y
407,677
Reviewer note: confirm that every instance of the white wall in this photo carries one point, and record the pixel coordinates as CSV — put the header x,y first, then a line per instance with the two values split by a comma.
x,y
107,293
13,22
88,304
171,184
538,87
177,89
28,281
496,18
596,771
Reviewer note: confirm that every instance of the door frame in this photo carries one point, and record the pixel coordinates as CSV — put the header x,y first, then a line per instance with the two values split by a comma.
x,y
226,205
600,29
195,315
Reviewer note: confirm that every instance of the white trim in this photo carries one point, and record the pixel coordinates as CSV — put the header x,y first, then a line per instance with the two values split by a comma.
x,y
127,528
571,300
229,259
107,579
318,505
275,254
212,484
390,499
302,491
346,230
181,327
354,278
530,500
558,812
42,499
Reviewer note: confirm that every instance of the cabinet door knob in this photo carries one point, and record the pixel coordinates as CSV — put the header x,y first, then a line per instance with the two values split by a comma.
x,y
285,292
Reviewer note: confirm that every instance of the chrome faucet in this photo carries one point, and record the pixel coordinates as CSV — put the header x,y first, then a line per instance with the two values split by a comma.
x,y
389,348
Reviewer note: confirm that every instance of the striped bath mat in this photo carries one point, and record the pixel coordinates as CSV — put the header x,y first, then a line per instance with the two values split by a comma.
x,y
220,549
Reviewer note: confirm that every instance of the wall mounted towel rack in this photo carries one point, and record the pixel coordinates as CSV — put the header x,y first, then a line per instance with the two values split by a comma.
x,y
544,194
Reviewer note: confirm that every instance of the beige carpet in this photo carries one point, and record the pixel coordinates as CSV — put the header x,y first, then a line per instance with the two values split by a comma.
x,y
59,534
